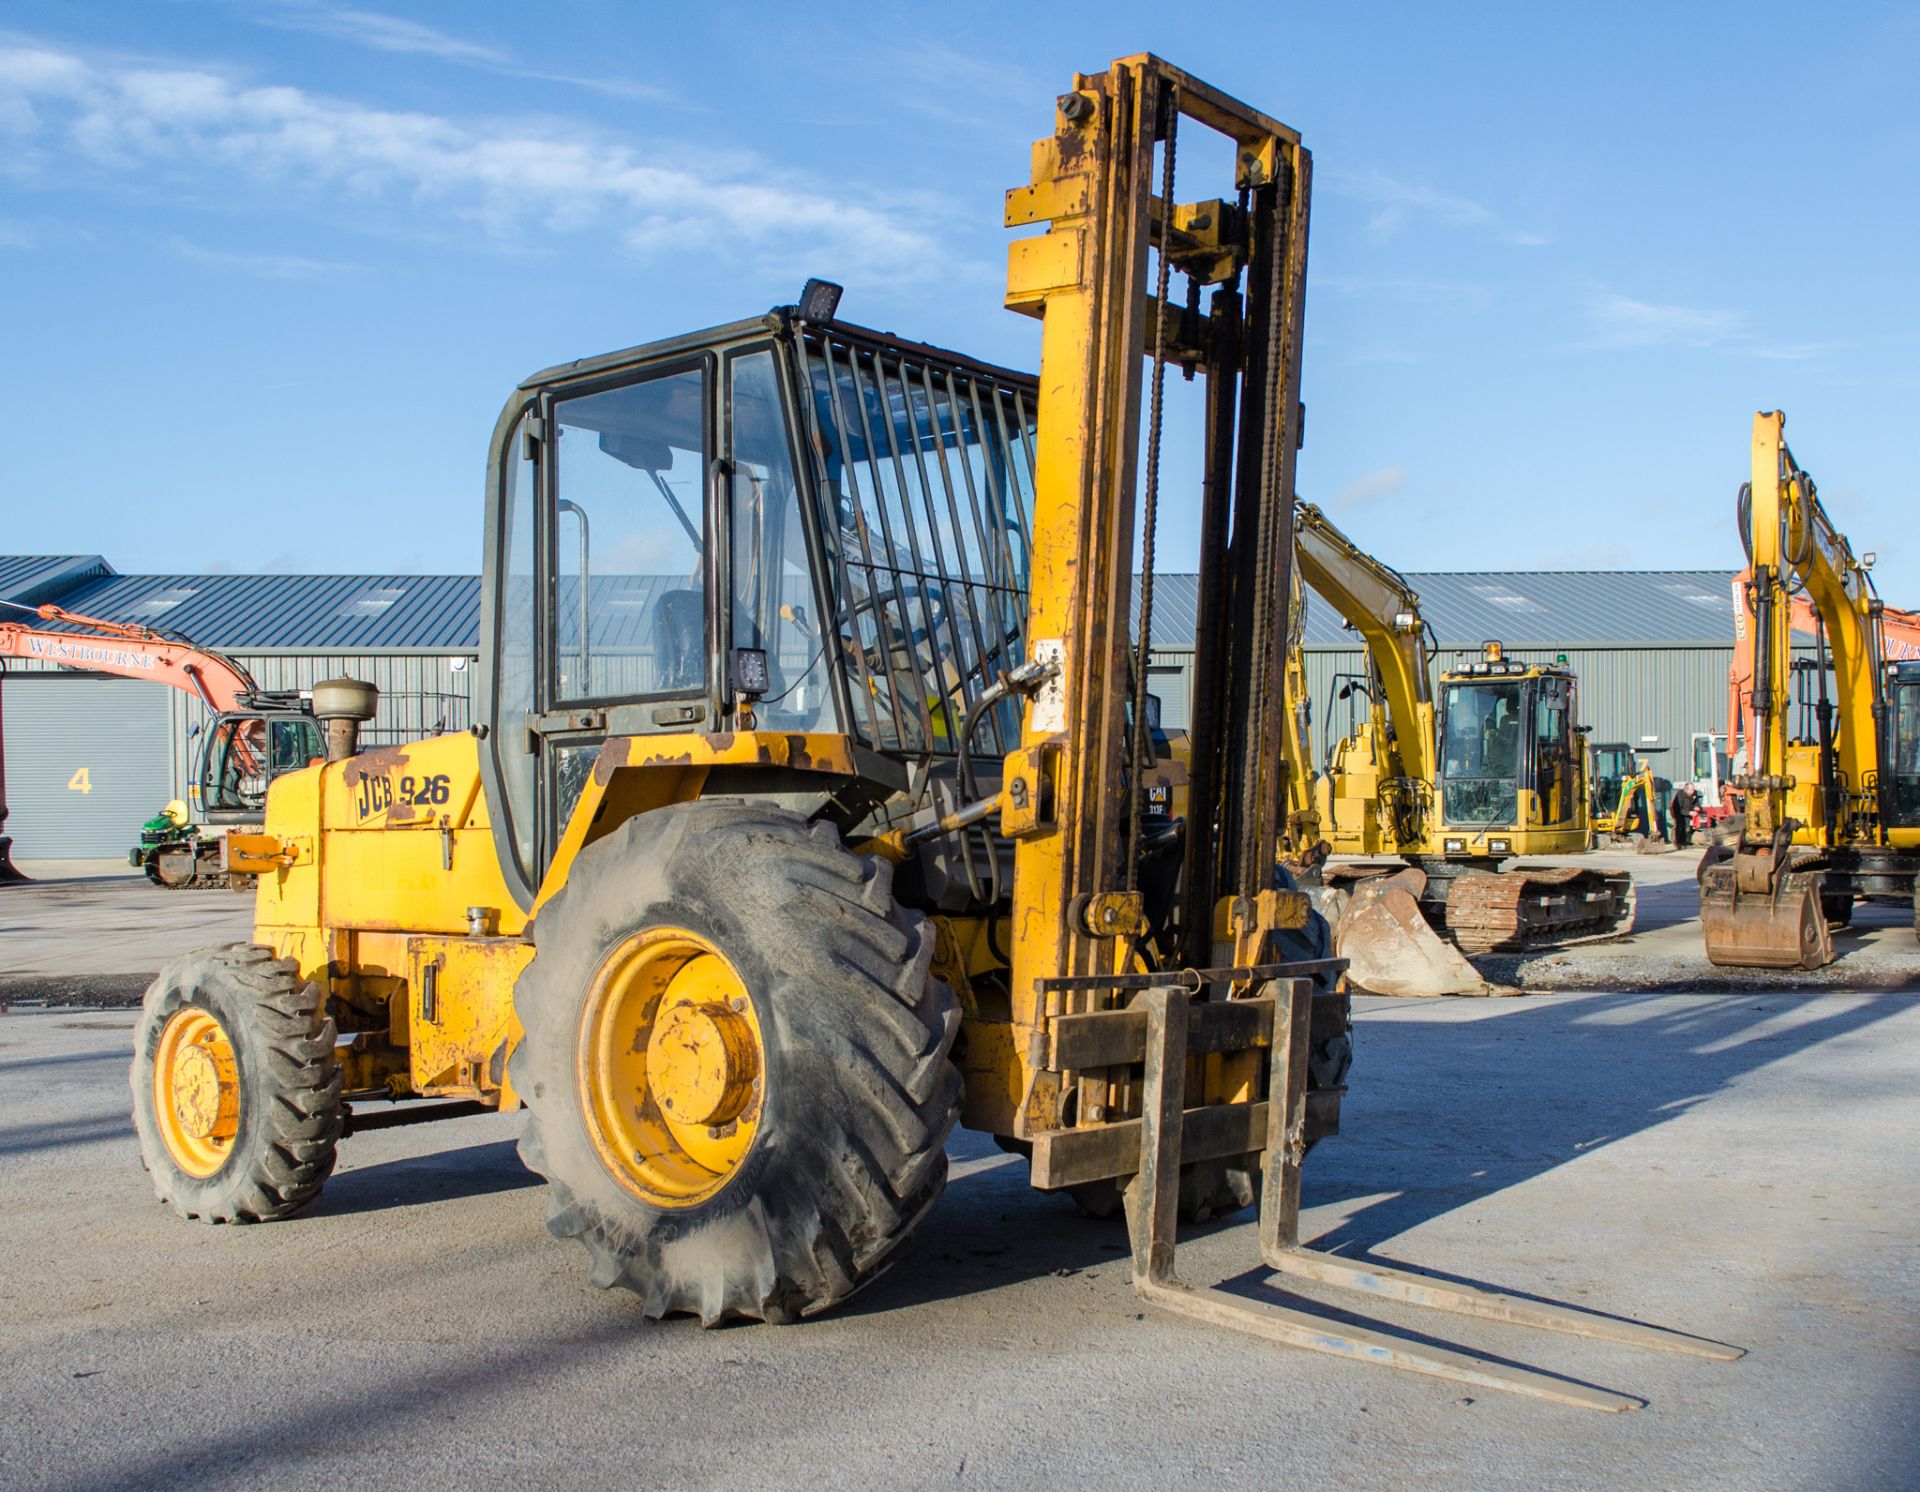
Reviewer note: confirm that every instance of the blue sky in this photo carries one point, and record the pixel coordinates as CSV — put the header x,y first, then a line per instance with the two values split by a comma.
x,y
268,270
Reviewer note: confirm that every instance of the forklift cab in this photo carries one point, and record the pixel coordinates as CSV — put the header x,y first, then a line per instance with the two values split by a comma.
x,y
780,525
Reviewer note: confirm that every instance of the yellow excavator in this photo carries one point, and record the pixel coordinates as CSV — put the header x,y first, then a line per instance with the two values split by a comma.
x,y
1456,784
1624,793
1833,785
807,817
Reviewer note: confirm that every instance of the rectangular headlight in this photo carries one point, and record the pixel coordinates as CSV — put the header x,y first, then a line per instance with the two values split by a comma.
x,y
750,675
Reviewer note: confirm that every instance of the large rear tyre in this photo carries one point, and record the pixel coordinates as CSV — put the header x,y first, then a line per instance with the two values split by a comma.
x,y
236,1086
735,1063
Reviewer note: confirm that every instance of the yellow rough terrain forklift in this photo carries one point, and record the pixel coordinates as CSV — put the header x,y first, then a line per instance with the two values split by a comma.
x,y
810,811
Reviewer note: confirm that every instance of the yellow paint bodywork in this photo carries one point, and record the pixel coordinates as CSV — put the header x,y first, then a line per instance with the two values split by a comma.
x,y
381,877
1795,543
634,774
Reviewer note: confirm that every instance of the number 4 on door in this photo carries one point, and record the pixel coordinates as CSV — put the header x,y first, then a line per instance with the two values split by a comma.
x,y
80,782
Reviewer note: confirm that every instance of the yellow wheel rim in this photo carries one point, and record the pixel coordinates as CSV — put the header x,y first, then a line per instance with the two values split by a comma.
x,y
671,1067
196,1092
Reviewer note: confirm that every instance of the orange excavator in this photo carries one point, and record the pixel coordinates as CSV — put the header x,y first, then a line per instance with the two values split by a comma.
x,y
1900,640
254,735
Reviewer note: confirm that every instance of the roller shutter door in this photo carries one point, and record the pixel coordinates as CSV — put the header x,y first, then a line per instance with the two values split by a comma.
x,y
87,763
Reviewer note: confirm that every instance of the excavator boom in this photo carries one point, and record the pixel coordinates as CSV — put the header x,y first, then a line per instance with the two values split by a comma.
x,y
1823,821
131,652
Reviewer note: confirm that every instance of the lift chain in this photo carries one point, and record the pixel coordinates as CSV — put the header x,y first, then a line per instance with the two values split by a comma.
x,y
1169,106
1259,778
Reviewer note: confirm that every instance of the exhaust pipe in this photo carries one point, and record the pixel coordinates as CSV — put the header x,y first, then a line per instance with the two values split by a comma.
x,y
342,706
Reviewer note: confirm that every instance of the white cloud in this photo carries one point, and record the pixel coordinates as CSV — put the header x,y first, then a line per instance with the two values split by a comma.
x,y
261,266
1620,321
1397,202
369,28
1369,488
511,180
1418,290
17,236
380,32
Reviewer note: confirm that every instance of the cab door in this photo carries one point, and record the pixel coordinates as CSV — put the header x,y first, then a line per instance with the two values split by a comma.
x,y
1554,746
628,630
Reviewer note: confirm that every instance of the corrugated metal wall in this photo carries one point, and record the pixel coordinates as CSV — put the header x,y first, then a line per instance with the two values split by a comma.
x,y
81,775
1626,694
420,693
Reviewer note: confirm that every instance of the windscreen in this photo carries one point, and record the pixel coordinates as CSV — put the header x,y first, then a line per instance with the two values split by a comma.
x,y
1480,755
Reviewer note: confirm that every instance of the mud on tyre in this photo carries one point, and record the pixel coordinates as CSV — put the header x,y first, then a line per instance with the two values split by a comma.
x,y
236,1086
819,1045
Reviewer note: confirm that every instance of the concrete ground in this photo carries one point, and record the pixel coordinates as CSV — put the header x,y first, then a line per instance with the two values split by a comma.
x,y
1735,1165
95,931
1877,952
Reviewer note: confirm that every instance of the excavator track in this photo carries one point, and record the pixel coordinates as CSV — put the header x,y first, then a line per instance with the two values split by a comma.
x,y
1525,908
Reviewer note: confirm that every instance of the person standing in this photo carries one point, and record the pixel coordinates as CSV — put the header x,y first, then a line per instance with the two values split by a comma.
x,y
1680,812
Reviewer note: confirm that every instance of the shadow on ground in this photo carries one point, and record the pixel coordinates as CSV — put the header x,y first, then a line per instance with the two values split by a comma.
x,y
1443,1115
469,1171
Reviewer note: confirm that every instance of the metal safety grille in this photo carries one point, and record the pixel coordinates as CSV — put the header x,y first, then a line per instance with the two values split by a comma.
x,y
924,470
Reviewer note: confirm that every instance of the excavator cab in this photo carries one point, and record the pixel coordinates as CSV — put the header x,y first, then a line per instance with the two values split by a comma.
x,y
1904,713
1512,768
1611,766
241,753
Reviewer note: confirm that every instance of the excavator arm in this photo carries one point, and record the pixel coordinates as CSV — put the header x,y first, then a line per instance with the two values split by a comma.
x,y
1900,642
1301,839
131,652
1376,602
1798,554
1764,907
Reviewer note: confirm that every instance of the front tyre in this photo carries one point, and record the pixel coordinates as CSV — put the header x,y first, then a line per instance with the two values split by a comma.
x,y
735,1063
236,1086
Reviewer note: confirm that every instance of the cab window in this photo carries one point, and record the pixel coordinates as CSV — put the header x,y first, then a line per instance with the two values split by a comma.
x,y
629,540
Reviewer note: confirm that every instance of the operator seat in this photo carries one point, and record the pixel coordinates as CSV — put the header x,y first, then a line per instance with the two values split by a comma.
x,y
680,639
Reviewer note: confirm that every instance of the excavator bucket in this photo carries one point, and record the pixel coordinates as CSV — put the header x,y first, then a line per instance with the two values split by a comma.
x,y
1390,948
1781,928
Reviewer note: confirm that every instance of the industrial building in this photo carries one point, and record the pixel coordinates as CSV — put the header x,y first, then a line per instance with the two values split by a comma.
x,y
1651,649
89,757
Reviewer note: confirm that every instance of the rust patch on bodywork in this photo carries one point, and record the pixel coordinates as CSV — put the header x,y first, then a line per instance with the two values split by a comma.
x,y
375,763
